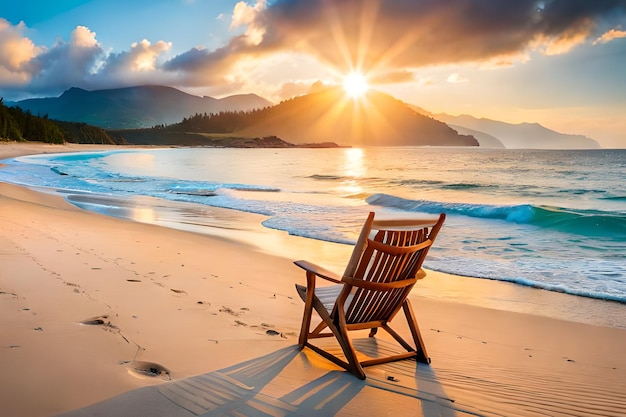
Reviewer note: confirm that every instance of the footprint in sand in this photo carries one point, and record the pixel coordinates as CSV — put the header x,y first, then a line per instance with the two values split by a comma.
x,y
229,311
270,331
150,369
97,321
12,294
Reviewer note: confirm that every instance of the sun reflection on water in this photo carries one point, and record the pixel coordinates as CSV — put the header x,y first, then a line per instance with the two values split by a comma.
x,y
353,170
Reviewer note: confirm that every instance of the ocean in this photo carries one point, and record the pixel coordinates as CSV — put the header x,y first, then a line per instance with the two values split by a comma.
x,y
548,219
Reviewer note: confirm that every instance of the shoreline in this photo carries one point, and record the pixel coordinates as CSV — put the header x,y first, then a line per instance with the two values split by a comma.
x,y
247,229
189,304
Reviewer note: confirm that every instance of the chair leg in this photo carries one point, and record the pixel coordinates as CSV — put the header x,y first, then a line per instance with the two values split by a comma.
x,y
306,316
421,354
354,366
341,333
304,330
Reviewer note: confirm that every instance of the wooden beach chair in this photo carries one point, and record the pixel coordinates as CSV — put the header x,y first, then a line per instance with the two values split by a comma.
x,y
374,288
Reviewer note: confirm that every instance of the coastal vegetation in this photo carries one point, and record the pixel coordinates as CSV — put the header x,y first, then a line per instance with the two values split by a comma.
x,y
20,126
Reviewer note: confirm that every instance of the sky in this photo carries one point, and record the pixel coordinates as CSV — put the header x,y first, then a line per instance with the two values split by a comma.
x,y
561,63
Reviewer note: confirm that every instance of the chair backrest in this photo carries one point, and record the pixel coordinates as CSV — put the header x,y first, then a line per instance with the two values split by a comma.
x,y
384,266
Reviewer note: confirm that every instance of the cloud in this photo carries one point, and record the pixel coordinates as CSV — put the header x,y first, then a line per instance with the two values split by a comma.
x,y
456,78
390,40
79,62
67,64
393,38
610,35
82,37
426,81
199,66
16,51
142,57
137,66
408,33
566,41
246,15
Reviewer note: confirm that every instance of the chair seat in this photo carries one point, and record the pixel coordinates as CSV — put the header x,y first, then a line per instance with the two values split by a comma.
x,y
327,294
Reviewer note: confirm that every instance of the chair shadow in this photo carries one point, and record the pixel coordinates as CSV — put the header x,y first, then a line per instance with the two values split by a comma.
x,y
408,378
285,383
250,389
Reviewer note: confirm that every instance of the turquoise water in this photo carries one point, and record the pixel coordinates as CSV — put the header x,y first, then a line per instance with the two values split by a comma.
x,y
554,220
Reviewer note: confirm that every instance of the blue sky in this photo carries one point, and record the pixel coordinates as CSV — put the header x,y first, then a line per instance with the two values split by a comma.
x,y
556,62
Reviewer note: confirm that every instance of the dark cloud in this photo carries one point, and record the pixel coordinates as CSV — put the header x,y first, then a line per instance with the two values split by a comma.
x,y
204,67
559,16
410,33
394,37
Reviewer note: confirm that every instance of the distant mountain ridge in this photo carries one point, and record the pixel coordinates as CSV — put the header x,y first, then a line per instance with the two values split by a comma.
x,y
516,136
326,114
485,140
312,118
375,120
133,107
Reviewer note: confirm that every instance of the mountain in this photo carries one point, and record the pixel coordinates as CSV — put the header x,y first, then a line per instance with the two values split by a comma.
x,y
485,140
157,114
324,115
327,115
133,107
516,136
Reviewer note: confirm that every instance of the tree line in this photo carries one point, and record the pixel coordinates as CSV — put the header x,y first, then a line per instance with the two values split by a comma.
x,y
22,126
221,122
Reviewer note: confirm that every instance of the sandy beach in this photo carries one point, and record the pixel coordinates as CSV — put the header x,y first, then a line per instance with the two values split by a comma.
x,y
107,317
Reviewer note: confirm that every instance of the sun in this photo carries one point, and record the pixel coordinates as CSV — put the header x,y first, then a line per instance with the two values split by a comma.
x,y
355,84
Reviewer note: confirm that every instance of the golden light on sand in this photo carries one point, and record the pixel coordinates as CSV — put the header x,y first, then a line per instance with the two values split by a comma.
x,y
143,214
355,84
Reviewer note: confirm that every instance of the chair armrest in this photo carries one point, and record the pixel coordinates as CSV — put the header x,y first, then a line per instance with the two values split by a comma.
x,y
319,271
